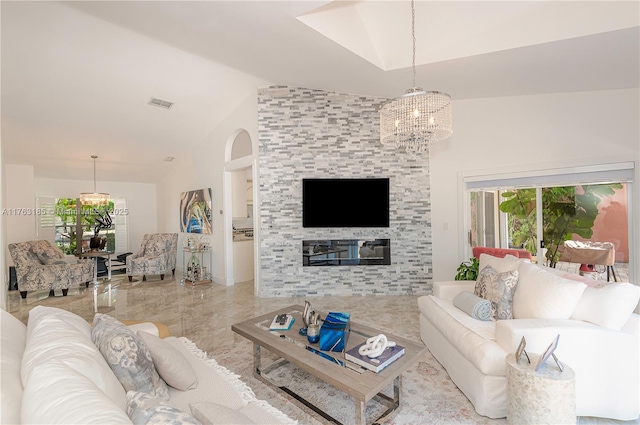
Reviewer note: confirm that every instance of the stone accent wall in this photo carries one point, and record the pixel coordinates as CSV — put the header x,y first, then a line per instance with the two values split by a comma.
x,y
306,133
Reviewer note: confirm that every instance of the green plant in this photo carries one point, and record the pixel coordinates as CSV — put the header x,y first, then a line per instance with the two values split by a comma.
x,y
468,270
565,211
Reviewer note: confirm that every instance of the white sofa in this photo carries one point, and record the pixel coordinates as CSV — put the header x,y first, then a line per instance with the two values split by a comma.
x,y
599,339
52,372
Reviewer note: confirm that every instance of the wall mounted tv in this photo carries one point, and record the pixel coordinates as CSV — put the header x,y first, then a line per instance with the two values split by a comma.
x,y
345,202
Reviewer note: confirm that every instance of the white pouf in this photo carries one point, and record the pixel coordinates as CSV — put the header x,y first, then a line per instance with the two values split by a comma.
x,y
544,397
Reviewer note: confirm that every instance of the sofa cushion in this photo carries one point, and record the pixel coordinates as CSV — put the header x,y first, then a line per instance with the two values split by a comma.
x,y
13,334
144,409
209,413
56,335
171,365
59,394
609,306
543,295
128,356
474,339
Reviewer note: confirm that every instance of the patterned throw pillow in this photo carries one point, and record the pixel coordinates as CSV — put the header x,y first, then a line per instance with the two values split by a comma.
x,y
499,289
155,247
128,356
46,253
144,409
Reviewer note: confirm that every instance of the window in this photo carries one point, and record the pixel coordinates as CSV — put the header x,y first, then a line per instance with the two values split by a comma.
x,y
59,223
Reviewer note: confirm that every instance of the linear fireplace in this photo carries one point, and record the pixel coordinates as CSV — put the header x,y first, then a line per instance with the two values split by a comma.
x,y
346,252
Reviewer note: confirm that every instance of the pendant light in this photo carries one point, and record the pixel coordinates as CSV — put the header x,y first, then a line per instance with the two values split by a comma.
x,y
418,118
94,199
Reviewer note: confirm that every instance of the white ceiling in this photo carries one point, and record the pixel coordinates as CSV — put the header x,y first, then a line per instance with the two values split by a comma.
x,y
77,76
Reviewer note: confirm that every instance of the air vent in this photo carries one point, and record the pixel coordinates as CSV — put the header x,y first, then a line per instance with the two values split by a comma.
x,y
160,103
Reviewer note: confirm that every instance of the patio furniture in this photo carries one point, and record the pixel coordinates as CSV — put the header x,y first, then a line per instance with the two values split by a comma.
x,y
157,255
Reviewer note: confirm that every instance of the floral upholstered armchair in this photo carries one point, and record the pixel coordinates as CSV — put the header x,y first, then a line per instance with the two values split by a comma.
x,y
157,255
40,265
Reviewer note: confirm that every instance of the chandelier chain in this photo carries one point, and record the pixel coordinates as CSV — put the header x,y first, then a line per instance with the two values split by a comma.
x,y
419,118
413,35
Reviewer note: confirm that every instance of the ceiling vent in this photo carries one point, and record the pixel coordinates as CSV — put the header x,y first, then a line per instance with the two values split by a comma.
x,y
160,103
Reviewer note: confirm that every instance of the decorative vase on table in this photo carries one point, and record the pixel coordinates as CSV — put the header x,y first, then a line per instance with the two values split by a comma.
x,y
94,243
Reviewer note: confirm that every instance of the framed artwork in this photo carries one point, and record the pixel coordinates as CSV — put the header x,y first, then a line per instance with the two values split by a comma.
x,y
195,211
548,353
520,350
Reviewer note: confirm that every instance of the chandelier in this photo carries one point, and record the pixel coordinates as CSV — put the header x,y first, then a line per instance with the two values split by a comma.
x,y
94,199
418,118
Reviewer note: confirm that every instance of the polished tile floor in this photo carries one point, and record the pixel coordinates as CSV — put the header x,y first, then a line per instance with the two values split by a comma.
x,y
205,313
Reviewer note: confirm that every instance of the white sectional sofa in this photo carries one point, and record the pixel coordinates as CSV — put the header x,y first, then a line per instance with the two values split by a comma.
x,y
599,338
52,372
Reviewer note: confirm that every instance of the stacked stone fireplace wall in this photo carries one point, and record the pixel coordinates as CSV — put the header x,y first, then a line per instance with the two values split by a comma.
x,y
307,133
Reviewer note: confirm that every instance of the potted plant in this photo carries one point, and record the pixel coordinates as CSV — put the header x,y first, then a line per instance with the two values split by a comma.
x,y
468,270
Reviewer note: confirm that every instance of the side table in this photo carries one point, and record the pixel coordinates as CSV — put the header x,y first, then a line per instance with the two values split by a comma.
x,y
94,256
544,397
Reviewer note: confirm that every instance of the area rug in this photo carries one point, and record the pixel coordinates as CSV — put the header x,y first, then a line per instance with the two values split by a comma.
x,y
428,396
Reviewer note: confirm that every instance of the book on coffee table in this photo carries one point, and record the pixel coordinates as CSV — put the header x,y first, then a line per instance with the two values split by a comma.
x,y
282,325
376,364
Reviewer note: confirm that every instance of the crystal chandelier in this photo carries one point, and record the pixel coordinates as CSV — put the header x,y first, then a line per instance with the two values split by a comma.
x,y
418,118
94,199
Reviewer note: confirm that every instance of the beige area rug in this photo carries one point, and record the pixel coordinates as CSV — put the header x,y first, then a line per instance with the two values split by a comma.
x,y
428,396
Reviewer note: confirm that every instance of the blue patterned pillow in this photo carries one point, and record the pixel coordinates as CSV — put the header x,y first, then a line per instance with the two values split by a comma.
x,y
128,356
144,409
498,288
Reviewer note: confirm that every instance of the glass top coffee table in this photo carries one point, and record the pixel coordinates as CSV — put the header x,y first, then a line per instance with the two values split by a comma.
x,y
363,385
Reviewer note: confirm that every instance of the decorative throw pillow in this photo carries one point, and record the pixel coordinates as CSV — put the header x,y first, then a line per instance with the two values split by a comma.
x,y
474,306
504,264
498,288
171,365
544,295
609,306
209,413
46,253
128,356
144,409
155,247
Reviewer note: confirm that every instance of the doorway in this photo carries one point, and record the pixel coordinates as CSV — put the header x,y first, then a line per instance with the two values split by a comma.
x,y
240,216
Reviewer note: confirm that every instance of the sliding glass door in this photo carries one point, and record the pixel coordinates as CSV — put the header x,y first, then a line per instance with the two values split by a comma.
x,y
541,219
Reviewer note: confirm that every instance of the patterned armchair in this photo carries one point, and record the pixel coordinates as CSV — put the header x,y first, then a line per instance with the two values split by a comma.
x,y
157,255
40,265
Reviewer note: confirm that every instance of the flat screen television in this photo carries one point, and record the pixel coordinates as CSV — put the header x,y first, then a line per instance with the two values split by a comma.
x,y
345,202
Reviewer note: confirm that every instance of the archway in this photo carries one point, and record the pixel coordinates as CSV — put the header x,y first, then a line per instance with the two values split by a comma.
x,y
240,187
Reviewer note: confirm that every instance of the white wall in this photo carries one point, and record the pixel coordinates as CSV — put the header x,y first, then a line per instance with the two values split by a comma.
x,y
20,204
140,197
204,168
533,132
4,268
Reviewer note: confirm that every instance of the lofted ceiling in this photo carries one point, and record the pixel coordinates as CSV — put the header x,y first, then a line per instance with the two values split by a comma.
x,y
77,76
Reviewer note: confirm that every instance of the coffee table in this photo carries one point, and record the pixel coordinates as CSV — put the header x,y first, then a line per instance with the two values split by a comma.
x,y
331,367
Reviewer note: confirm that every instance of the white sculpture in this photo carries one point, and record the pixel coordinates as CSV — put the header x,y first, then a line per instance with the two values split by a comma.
x,y
375,346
